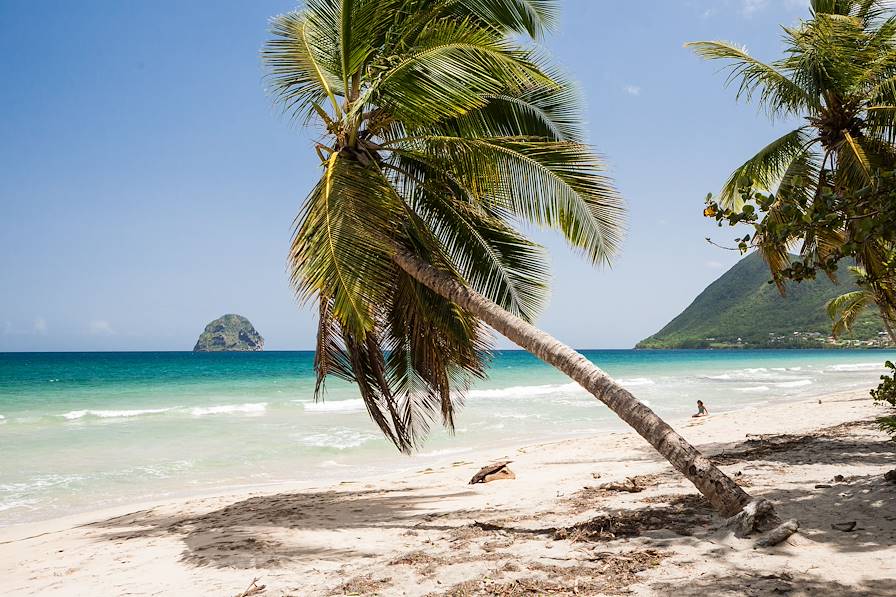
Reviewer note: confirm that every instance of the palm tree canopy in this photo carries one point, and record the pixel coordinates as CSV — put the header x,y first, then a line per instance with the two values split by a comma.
x,y
838,75
440,133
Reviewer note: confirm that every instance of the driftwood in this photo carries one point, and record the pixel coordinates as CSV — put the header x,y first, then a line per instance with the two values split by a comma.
x,y
253,589
493,472
778,534
890,476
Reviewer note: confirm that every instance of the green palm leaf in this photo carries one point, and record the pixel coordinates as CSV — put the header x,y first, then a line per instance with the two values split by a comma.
x,y
443,131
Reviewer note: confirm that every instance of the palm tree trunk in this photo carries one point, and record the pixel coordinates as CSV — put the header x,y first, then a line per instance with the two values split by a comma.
x,y
723,493
889,328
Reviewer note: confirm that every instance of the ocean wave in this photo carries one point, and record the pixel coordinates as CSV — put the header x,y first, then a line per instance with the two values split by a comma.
x,y
516,416
797,383
526,391
443,452
753,389
16,504
636,381
760,375
226,409
340,406
855,367
339,439
112,414
332,463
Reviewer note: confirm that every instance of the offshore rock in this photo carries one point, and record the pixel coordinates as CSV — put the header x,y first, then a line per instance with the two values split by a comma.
x,y
229,333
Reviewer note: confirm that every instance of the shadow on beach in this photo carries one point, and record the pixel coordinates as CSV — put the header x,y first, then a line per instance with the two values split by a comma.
x,y
458,528
265,531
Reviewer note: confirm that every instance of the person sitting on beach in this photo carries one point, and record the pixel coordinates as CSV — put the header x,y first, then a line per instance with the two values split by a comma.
x,y
701,410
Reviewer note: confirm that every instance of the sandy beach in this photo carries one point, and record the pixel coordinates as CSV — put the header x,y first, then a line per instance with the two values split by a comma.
x,y
551,530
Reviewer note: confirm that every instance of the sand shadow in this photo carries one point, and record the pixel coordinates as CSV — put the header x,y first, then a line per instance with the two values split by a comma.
x,y
269,530
738,583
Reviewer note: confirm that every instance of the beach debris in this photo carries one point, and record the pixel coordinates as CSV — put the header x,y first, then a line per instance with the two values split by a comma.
x,y
253,589
890,476
844,526
839,478
758,515
823,486
779,534
630,485
493,472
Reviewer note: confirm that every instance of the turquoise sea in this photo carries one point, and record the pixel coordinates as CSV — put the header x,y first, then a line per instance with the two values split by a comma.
x,y
83,431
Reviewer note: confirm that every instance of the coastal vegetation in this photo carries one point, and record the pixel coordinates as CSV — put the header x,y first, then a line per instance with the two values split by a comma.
x,y
441,131
742,310
846,309
827,185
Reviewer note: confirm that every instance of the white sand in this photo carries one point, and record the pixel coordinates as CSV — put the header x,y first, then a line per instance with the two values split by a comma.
x,y
416,535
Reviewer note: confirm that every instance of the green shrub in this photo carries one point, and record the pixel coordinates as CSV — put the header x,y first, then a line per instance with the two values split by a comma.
x,y
886,392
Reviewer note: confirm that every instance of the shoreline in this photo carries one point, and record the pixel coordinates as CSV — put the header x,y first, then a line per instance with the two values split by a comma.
x,y
240,491
423,529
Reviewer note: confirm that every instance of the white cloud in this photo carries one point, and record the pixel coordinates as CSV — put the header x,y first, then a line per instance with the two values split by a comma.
x,y
632,89
749,7
714,265
40,326
101,327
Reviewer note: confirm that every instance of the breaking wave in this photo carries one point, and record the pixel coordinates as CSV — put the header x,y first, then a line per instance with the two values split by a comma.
x,y
338,406
225,409
112,414
856,367
526,391
339,439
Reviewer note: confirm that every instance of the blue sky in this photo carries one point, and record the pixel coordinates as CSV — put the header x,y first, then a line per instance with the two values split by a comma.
x,y
148,185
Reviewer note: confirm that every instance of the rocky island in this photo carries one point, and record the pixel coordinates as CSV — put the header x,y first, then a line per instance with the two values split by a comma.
x,y
229,333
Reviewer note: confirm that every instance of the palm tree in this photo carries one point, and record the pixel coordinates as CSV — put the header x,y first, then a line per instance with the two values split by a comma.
x,y
845,309
838,76
441,132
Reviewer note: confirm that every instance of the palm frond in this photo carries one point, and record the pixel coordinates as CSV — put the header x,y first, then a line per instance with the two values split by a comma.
x,y
493,258
435,351
777,93
557,185
765,170
845,309
453,69
853,166
342,247
298,80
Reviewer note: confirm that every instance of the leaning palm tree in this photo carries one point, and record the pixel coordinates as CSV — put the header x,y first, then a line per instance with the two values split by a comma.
x,y
837,76
845,310
440,133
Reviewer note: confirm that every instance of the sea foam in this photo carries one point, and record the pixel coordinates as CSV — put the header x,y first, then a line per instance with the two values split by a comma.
x,y
112,414
339,439
226,409
526,391
339,406
856,367
636,381
797,383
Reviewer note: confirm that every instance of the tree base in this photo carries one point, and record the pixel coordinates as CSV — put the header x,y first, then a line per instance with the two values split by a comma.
x,y
759,517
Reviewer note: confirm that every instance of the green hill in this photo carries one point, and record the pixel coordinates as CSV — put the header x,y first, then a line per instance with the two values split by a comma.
x,y
743,309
